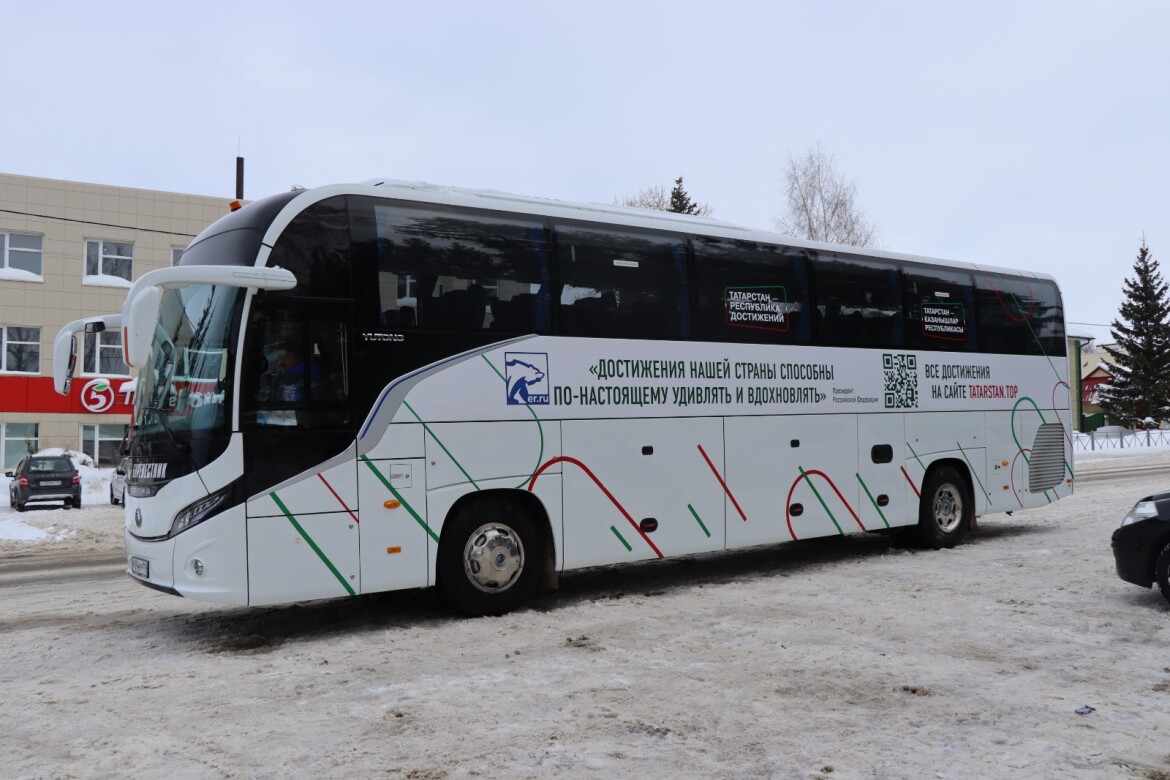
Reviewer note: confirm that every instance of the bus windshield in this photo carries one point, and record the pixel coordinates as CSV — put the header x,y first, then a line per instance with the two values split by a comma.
x,y
183,388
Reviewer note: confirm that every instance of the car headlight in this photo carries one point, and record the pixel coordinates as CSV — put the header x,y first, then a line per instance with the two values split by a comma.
x,y
196,513
1142,510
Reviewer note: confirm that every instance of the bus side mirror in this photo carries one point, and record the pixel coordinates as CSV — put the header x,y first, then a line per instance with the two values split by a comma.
x,y
138,332
64,361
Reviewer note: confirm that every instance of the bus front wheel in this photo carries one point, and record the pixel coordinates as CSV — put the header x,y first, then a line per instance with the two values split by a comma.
x,y
945,511
489,557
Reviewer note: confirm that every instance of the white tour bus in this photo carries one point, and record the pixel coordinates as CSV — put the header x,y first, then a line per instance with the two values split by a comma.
x,y
361,388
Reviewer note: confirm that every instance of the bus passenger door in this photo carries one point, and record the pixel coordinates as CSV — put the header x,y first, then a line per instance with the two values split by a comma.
x,y
887,499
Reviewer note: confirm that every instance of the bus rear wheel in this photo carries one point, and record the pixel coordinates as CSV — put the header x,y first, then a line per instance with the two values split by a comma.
x,y
945,511
489,557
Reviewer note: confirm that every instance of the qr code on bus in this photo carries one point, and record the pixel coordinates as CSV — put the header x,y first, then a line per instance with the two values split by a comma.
x,y
901,375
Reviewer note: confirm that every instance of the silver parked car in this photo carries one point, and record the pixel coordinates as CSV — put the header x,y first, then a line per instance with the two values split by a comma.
x,y
118,483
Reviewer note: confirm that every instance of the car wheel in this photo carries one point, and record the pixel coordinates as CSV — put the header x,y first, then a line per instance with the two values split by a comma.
x,y
489,557
113,500
945,511
1162,572
20,506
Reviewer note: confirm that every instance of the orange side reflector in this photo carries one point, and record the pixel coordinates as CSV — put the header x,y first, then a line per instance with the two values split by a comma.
x,y
392,504
393,550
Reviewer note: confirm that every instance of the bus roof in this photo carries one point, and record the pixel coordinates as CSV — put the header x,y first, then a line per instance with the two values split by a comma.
x,y
610,214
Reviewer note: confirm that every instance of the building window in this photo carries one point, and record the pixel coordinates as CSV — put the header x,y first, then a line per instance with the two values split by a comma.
x,y
103,443
103,354
109,258
22,252
16,441
20,349
176,255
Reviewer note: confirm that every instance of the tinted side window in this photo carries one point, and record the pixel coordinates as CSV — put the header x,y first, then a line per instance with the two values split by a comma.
x,y
858,302
316,248
750,292
622,283
446,269
1020,316
940,309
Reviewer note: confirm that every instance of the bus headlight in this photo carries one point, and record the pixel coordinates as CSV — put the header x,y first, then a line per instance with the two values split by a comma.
x,y
196,513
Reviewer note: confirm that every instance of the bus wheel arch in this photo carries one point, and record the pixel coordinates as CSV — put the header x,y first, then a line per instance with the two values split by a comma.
x,y
946,509
494,550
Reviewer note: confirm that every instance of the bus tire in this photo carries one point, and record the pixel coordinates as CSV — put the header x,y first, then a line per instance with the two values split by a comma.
x,y
1162,572
490,557
945,510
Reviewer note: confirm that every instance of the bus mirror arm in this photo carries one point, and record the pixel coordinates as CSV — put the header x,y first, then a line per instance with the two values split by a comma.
x,y
65,347
141,309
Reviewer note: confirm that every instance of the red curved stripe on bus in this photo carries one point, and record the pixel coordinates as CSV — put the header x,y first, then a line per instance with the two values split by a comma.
x,y
596,481
334,492
726,489
1013,475
913,487
1056,410
824,476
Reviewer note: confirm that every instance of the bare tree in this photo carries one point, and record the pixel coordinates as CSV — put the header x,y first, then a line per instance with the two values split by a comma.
x,y
822,204
658,199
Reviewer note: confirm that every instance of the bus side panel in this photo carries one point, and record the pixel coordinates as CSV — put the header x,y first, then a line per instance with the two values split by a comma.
x,y
396,537
791,478
294,557
886,499
961,437
459,453
641,489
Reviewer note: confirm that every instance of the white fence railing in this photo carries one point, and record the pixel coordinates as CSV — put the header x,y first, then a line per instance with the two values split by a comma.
x,y
1120,440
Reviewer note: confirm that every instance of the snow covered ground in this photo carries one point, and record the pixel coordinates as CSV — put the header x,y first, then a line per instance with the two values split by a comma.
x,y
835,658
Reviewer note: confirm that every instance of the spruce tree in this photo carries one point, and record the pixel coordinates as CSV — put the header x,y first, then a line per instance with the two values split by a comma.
x,y
681,203
1140,359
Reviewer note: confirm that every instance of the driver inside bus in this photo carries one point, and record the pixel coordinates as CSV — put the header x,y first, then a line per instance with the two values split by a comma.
x,y
290,385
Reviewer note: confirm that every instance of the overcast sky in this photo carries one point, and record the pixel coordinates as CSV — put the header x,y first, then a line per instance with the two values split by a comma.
x,y
1024,134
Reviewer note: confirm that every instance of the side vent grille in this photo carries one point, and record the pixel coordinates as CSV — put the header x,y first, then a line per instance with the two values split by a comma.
x,y
1046,465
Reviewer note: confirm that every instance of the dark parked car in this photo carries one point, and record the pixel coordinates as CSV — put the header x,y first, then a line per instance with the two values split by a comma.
x,y
44,478
1141,546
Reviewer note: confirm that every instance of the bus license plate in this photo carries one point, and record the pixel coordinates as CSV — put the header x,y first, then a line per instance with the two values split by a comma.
x,y
140,567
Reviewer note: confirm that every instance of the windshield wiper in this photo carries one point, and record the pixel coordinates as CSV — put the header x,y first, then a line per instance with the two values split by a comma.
x,y
158,413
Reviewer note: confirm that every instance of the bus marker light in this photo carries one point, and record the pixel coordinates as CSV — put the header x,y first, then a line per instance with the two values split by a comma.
x,y
649,525
393,550
883,500
796,509
392,504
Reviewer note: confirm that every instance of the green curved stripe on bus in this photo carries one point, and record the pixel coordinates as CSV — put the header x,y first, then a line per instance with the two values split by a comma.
x,y
417,518
1016,439
305,535
439,441
539,427
865,487
817,493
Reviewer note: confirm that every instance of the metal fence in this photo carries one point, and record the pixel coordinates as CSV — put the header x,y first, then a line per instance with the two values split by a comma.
x,y
1120,440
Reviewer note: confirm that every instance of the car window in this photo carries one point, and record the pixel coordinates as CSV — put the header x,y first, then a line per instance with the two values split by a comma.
x,y
55,464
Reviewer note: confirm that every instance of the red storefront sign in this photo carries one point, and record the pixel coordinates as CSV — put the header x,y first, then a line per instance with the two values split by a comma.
x,y
89,395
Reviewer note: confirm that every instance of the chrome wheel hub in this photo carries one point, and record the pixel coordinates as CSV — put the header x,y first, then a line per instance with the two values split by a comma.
x,y
493,557
948,508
